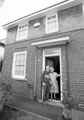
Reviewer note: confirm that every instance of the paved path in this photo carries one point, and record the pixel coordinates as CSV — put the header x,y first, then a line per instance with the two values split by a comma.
x,y
35,107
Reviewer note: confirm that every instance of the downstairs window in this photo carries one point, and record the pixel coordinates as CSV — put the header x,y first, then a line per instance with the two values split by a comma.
x,y
19,65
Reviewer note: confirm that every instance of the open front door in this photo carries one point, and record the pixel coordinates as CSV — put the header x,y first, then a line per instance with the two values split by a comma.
x,y
54,61
52,58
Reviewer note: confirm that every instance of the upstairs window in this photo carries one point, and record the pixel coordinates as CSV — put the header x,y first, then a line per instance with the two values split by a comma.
x,y
22,32
51,24
19,65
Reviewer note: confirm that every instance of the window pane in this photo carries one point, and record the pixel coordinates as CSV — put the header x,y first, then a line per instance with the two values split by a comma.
x,y
22,32
19,64
52,24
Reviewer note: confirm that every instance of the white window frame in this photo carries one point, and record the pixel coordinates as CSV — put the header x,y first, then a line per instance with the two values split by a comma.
x,y
18,32
56,23
20,77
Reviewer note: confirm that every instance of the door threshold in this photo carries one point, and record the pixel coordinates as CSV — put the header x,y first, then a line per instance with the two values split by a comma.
x,y
53,102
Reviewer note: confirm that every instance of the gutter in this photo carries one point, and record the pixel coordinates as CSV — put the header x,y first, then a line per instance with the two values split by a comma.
x,y
59,5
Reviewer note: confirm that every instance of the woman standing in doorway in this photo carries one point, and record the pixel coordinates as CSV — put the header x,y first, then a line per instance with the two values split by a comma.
x,y
53,82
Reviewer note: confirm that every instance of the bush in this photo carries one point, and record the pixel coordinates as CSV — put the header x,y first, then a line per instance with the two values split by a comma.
x,y
5,92
67,101
68,105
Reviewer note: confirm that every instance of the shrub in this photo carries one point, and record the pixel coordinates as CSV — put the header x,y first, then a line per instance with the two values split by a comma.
x,y
5,92
68,105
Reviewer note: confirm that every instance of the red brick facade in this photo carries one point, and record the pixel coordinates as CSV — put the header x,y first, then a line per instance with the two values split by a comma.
x,y
71,23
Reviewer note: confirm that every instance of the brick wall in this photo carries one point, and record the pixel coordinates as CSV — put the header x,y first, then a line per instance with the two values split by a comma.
x,y
11,35
68,19
36,31
72,66
71,18
72,57
76,66
21,86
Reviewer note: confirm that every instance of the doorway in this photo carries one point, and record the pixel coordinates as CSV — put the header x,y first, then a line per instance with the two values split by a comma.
x,y
54,61
52,58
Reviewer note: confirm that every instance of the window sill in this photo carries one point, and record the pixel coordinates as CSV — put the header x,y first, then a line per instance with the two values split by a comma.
x,y
51,32
19,79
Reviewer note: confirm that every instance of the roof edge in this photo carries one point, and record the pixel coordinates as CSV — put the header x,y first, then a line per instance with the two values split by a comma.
x,y
5,26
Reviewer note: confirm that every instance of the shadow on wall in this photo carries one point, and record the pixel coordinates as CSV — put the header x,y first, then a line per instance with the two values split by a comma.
x,y
2,47
1,63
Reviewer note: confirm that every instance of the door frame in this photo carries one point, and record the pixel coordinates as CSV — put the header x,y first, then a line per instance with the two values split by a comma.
x,y
58,53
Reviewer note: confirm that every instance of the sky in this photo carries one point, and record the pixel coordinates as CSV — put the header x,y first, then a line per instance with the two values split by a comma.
x,y
13,9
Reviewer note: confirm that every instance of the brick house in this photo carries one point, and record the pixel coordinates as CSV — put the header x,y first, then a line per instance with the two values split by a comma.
x,y
53,36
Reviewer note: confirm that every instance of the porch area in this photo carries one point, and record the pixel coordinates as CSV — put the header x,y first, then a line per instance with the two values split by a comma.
x,y
37,110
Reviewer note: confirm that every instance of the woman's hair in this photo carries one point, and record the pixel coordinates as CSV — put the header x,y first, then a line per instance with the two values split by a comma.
x,y
51,68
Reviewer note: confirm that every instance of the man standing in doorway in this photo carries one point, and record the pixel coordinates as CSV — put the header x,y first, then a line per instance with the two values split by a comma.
x,y
45,84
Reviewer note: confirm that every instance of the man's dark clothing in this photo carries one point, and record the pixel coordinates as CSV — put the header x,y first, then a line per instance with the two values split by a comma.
x,y
46,86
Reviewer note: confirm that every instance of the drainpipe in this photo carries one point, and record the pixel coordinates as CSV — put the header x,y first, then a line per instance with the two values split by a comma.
x,y
35,75
67,65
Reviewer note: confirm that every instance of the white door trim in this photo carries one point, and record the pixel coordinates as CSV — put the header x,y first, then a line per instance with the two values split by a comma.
x,y
55,54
